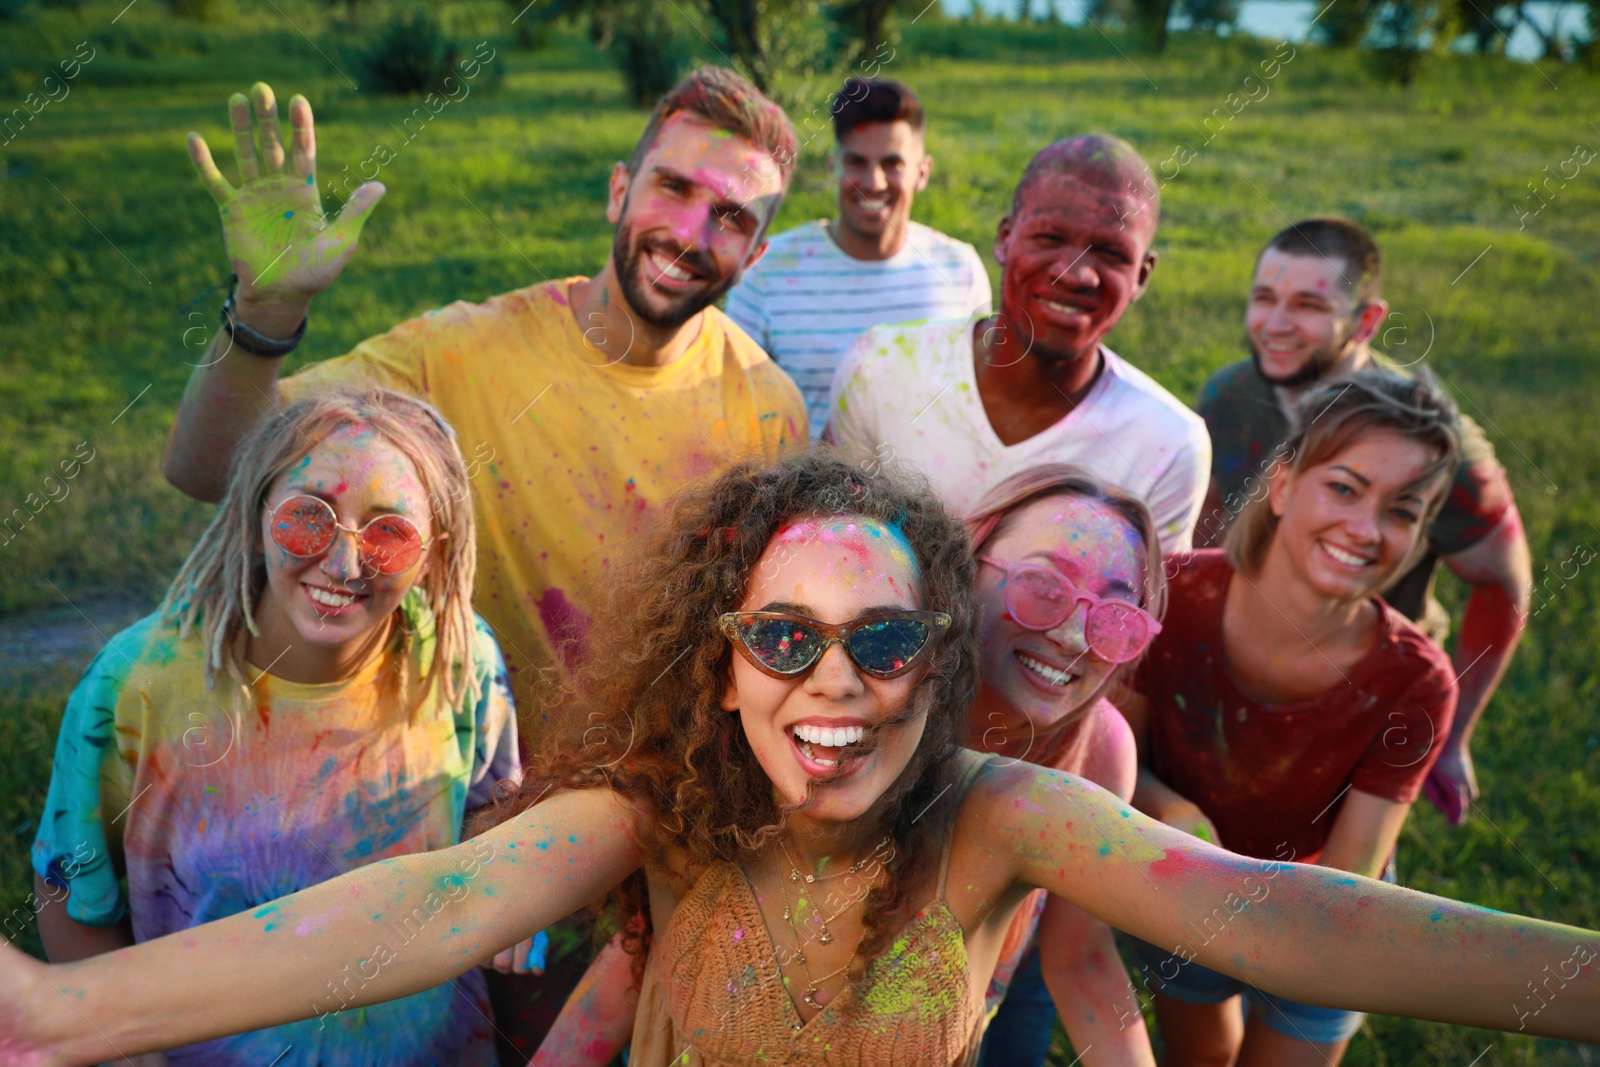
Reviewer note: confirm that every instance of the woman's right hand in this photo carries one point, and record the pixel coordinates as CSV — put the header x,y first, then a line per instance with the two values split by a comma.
x,y
282,246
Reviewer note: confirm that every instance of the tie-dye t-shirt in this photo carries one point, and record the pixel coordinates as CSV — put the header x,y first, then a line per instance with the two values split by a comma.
x,y
214,806
569,452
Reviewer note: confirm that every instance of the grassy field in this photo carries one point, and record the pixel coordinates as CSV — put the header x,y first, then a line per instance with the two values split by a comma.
x,y
105,234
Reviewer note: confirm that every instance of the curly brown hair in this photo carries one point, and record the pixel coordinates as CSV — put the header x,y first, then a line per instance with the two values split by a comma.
x,y
652,680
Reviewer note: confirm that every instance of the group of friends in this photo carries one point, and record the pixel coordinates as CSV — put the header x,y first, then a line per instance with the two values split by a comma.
x,y
1102,661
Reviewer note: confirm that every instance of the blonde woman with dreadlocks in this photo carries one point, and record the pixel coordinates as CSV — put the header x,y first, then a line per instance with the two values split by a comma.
x,y
771,774
313,695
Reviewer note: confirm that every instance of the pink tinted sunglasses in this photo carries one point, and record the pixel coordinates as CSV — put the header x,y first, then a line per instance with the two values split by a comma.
x,y
305,526
1040,598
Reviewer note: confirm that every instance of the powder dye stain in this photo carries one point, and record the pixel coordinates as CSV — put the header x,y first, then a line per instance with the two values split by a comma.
x,y
566,624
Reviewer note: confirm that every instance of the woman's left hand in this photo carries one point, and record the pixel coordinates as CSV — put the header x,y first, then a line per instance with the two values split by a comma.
x,y
526,957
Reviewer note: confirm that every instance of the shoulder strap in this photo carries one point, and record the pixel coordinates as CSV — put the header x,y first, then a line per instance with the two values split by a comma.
x,y
975,763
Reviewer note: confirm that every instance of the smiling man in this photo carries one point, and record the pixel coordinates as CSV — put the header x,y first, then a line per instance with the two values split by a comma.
x,y
822,284
1315,305
582,402
973,403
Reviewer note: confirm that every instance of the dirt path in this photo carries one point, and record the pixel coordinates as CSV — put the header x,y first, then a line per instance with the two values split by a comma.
x,y
68,635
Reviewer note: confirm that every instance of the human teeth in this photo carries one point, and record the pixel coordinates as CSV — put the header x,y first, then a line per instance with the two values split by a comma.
x,y
1347,558
330,599
672,270
1045,671
1061,307
829,737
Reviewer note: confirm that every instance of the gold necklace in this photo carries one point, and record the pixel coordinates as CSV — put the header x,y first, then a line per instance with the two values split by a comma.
x,y
813,985
855,868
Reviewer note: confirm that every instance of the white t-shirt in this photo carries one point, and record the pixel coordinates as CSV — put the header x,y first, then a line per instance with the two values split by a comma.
x,y
806,301
909,393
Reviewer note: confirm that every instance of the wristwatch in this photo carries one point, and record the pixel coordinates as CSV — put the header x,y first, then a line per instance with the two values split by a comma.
x,y
258,344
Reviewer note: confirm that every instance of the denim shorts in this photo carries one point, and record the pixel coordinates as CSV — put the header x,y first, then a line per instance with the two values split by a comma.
x,y
1195,984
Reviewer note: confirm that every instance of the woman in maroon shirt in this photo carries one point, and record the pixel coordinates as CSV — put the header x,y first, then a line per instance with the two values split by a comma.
x,y
1285,711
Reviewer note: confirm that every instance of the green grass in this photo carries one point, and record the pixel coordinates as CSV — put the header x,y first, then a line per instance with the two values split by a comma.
x,y
507,187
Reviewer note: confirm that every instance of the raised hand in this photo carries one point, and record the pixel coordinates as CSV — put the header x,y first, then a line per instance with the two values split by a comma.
x,y
282,246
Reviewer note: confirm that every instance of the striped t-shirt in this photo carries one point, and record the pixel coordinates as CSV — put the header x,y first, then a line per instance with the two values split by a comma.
x,y
806,300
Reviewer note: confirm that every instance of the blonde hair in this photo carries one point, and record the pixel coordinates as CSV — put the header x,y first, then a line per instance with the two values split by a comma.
x,y
993,516
1000,503
217,588
1334,415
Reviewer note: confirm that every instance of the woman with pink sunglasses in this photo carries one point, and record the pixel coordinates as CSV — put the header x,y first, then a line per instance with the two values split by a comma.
x,y
1071,587
314,695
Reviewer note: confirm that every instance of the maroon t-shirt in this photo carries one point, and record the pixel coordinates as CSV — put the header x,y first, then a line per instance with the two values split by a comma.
x,y
1272,777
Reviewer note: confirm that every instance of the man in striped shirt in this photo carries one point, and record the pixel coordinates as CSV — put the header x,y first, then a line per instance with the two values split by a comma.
x,y
822,284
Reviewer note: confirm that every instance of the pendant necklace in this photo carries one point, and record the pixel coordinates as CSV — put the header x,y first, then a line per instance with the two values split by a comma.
x,y
823,936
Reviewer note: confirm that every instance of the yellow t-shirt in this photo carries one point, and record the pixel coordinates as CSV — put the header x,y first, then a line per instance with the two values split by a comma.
x,y
568,454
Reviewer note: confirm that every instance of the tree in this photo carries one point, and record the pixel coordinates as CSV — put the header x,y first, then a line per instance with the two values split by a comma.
x,y
1149,20
1345,23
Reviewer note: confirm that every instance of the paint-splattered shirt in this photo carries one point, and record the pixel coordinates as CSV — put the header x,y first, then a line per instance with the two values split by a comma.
x,y
1272,777
807,300
1248,424
213,807
569,450
908,393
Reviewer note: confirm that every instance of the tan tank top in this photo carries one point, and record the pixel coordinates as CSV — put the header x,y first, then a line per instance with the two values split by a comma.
x,y
713,994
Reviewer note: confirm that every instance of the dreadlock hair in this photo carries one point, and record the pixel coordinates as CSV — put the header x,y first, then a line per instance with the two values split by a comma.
x,y
218,586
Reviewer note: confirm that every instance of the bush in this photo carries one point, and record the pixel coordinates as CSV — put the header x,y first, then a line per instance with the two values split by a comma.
x,y
194,10
1209,16
1400,39
410,55
1109,14
1345,24
651,59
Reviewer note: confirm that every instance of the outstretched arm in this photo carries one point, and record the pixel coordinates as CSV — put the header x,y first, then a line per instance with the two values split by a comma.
x,y
383,931
285,250
1309,933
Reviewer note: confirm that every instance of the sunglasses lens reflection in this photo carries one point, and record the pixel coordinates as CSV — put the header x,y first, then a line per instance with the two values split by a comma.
x,y
782,644
303,526
1117,632
885,647
390,544
1039,599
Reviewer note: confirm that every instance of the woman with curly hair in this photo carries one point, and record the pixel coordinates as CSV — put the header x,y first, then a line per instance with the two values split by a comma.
x,y
771,770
